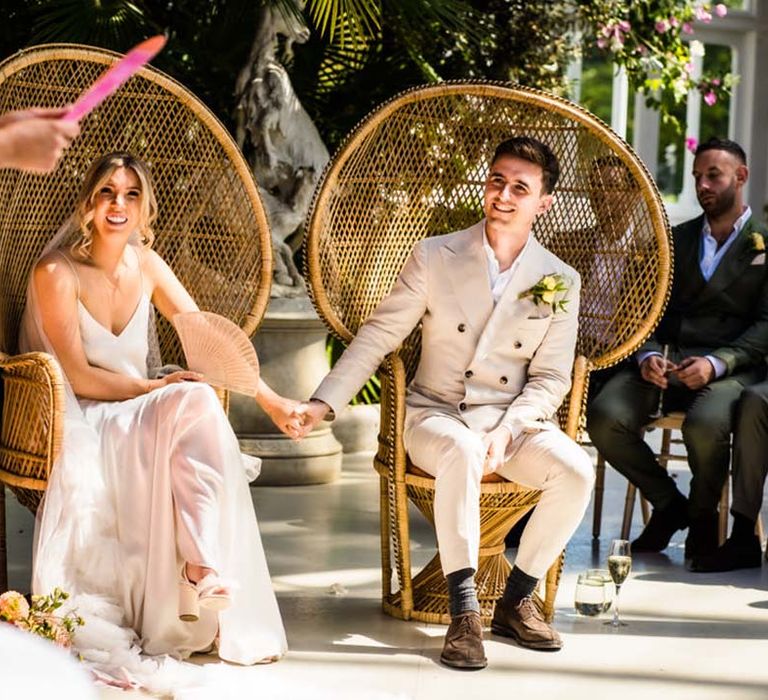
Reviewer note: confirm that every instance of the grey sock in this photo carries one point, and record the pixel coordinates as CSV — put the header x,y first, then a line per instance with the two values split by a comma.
x,y
462,595
519,585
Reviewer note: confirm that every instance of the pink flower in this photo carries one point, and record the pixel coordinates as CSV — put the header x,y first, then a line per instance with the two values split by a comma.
x,y
715,82
13,606
710,98
687,28
688,67
662,26
674,22
691,143
703,15
721,10
602,42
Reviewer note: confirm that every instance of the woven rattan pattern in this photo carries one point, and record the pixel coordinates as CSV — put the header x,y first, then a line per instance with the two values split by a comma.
x,y
415,168
211,228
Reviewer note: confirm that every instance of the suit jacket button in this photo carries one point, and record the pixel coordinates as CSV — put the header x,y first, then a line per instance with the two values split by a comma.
x,y
468,374
503,380
517,344
462,328
462,406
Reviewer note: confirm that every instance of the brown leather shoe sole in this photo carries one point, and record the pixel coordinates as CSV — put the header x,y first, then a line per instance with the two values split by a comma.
x,y
543,645
463,664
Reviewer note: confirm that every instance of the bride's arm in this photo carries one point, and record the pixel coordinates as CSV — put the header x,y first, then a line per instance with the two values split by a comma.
x,y
170,297
56,291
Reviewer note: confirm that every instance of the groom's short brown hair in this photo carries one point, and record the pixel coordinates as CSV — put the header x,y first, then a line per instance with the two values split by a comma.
x,y
534,151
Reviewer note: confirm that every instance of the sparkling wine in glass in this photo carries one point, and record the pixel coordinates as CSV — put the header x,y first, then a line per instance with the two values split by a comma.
x,y
619,566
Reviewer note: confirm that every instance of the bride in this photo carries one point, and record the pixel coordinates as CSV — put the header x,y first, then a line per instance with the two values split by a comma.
x,y
147,520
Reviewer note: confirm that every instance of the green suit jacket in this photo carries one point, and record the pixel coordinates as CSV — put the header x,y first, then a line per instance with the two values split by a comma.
x,y
726,316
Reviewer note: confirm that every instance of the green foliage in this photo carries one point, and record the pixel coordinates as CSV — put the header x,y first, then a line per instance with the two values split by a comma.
x,y
646,37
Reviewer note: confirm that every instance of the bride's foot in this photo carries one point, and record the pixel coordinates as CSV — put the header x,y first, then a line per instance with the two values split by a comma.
x,y
201,587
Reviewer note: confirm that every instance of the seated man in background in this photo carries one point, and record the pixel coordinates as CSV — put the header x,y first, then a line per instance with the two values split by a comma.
x,y
742,550
715,329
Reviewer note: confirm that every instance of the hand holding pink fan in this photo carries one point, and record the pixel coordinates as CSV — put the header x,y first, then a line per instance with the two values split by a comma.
x,y
219,350
114,77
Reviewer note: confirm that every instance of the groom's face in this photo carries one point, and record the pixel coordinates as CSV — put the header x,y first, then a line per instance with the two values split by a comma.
x,y
514,193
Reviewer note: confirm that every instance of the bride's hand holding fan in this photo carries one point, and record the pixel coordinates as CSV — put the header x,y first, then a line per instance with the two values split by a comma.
x,y
223,354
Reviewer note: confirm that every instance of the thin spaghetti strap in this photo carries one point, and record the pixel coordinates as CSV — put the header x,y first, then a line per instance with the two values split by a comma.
x,y
74,271
141,271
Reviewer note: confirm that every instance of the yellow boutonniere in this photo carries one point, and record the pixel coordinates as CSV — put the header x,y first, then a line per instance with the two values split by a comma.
x,y
550,290
758,242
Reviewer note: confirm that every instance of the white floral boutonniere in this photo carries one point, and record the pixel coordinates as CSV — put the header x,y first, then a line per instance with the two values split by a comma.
x,y
758,242
550,290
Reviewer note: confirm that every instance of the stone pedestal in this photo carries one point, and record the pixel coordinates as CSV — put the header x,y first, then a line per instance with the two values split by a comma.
x,y
291,347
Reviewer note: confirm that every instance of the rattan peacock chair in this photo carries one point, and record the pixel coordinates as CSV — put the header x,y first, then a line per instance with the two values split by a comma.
x,y
415,167
211,228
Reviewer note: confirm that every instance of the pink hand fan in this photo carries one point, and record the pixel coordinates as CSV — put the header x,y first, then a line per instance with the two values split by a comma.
x,y
219,350
114,77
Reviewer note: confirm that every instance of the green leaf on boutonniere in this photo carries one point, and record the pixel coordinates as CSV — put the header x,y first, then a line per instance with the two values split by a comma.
x,y
549,290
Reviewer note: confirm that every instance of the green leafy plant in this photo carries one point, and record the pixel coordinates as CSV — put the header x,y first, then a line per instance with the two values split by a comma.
x,y
40,617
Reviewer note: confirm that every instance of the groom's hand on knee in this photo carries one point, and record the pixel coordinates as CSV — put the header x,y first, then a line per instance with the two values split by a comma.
x,y
495,448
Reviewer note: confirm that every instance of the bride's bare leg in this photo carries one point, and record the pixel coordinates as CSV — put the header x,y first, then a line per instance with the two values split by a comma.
x,y
196,573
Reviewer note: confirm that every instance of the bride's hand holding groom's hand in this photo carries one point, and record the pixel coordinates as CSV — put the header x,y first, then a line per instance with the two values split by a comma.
x,y
310,413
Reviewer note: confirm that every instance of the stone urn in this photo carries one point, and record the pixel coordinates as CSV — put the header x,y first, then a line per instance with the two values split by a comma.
x,y
357,428
290,344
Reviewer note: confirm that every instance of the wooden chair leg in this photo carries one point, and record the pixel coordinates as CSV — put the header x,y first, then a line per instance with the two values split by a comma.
x,y
3,544
722,519
629,507
597,508
645,508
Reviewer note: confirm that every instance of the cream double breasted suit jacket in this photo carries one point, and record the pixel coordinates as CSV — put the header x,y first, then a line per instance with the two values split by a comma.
x,y
481,365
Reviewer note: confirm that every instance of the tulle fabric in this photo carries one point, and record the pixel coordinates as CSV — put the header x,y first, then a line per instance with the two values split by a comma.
x,y
141,486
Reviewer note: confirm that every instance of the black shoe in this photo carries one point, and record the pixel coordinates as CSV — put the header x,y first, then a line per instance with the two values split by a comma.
x,y
733,554
664,523
702,537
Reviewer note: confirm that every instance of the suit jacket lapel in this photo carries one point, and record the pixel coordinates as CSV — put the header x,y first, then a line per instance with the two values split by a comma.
x,y
467,270
510,309
736,259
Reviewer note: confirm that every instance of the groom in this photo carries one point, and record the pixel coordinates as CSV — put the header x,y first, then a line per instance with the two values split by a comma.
x,y
495,365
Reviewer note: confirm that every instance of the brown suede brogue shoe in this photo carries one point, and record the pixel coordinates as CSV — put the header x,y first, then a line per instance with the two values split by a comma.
x,y
463,646
525,624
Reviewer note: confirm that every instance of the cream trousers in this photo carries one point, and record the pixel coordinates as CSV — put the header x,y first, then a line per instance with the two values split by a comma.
x,y
547,460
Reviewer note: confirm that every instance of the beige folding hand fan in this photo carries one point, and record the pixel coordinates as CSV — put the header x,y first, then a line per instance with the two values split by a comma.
x,y
219,350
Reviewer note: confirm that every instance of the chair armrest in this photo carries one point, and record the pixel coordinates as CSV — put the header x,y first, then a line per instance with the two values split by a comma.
x,y
32,423
391,458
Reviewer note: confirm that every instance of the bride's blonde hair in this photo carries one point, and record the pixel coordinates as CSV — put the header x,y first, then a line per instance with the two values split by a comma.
x,y
97,176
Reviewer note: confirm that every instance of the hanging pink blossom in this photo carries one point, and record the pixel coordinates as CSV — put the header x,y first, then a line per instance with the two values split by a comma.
x,y
674,21
703,15
687,28
721,10
691,144
662,26
710,98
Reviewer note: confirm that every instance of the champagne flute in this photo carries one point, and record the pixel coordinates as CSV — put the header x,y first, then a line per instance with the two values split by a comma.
x,y
619,566
660,408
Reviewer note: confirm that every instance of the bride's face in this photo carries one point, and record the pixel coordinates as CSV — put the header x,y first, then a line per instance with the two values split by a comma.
x,y
117,204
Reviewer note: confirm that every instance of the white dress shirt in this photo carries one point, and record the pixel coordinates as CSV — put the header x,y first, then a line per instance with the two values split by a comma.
x,y
498,279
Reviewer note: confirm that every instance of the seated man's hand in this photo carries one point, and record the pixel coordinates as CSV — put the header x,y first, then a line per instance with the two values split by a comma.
x,y
496,447
310,413
695,372
654,369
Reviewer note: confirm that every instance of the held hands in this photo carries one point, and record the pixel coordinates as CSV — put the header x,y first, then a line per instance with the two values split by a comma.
x,y
496,447
310,413
34,139
692,372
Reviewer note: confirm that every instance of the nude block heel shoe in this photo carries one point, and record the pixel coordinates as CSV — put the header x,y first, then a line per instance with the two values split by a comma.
x,y
189,604
213,593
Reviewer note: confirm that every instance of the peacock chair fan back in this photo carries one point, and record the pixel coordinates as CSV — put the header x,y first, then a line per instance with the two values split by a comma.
x,y
416,167
211,226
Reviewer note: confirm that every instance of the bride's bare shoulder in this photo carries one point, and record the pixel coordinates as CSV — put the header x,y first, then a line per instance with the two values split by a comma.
x,y
55,272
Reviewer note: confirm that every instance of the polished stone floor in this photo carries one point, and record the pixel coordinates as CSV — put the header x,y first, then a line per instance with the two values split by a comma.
x,y
689,636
